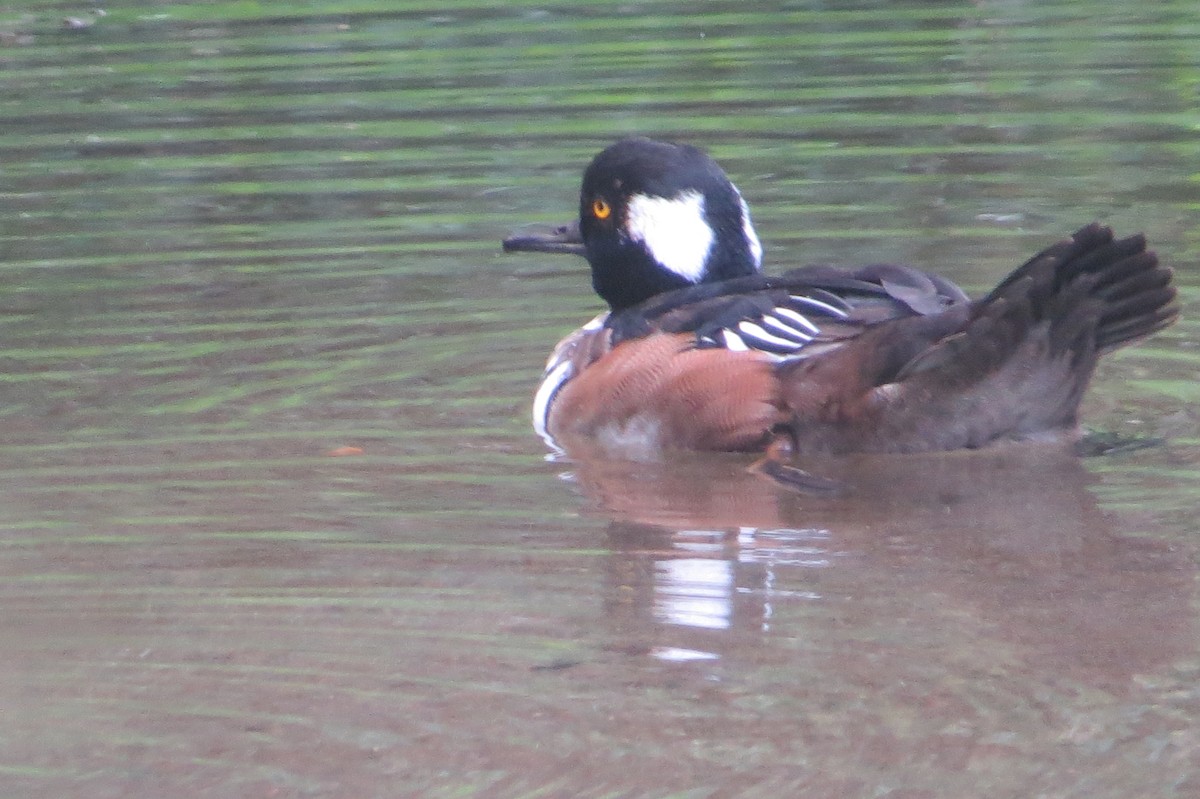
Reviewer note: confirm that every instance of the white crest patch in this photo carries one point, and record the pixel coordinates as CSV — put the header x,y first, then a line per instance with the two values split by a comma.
x,y
673,230
751,235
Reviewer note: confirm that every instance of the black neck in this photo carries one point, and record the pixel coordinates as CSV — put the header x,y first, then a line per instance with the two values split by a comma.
x,y
624,276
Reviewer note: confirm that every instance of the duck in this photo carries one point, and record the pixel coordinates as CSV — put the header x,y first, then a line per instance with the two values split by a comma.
x,y
699,349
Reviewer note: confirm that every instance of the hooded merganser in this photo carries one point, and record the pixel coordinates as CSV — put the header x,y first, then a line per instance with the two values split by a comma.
x,y
700,350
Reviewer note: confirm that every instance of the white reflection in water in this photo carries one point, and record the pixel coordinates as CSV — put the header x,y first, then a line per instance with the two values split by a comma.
x,y
785,546
695,592
677,655
699,591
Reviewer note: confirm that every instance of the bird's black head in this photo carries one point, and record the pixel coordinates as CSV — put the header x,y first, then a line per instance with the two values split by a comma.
x,y
655,216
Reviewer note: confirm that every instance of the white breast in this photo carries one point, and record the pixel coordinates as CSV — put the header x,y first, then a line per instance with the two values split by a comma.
x,y
560,368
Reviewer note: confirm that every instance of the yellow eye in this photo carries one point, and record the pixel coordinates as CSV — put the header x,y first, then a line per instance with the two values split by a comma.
x,y
600,208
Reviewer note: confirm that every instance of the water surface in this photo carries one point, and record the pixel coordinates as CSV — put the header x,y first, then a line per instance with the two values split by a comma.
x,y
275,522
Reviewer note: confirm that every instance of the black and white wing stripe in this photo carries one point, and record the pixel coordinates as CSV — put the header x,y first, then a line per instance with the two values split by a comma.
x,y
801,313
781,331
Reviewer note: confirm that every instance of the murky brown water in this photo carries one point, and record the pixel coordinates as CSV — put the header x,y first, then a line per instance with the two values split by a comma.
x,y
274,522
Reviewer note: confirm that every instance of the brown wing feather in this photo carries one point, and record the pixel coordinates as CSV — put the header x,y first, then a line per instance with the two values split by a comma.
x,y
1014,365
660,391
